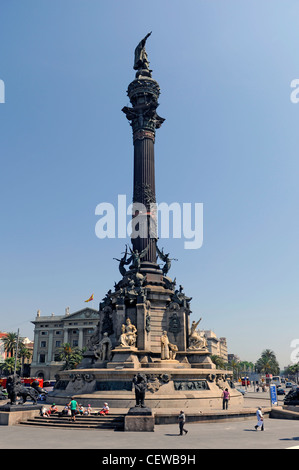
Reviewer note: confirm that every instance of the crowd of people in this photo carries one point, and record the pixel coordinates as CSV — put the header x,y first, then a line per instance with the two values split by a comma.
x,y
73,409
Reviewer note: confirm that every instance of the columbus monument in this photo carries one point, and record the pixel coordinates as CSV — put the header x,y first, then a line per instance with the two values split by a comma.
x,y
144,336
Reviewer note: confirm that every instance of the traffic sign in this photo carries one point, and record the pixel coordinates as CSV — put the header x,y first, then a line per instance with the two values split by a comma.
x,y
273,394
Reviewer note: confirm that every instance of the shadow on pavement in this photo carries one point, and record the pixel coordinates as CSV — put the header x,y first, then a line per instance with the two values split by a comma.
x,y
289,439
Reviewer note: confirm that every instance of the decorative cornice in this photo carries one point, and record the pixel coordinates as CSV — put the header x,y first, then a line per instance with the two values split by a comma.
x,y
141,134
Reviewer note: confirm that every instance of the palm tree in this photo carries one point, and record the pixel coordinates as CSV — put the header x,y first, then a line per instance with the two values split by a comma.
x,y
23,353
235,365
71,356
294,370
9,365
218,361
267,363
10,343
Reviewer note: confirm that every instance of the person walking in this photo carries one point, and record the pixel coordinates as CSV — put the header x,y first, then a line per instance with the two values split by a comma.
x,y
225,398
73,404
260,419
182,420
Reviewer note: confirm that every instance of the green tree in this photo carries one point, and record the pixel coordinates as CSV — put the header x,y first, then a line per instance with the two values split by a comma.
x,y
267,363
218,361
23,353
71,356
235,365
10,343
293,370
9,365
246,366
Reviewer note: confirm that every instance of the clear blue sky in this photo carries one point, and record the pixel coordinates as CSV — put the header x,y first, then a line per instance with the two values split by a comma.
x,y
230,141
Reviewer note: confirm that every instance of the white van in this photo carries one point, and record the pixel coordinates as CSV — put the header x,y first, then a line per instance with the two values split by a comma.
x,y
276,380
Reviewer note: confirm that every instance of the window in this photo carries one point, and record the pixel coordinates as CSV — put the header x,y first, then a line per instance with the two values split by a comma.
x,y
75,342
57,344
43,344
42,358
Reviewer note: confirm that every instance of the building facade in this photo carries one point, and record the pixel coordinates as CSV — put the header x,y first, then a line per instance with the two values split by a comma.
x,y
51,332
3,353
216,346
233,357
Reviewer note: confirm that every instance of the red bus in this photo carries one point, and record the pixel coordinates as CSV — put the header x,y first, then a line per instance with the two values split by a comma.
x,y
27,381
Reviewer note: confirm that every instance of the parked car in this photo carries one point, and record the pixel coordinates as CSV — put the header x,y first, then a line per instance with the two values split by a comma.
x,y
281,391
49,385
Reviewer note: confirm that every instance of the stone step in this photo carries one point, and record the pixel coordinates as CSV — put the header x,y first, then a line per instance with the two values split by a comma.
x,y
72,425
115,422
93,418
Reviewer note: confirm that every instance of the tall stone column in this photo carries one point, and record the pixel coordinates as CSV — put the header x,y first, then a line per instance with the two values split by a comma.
x,y
66,335
36,347
80,341
143,93
50,346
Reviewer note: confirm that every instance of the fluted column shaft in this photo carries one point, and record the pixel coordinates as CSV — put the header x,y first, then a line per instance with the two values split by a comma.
x,y
144,193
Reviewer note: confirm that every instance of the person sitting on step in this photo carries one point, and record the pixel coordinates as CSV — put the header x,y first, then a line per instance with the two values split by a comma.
x,y
105,410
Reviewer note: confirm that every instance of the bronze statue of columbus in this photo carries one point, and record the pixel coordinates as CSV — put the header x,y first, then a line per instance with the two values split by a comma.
x,y
141,60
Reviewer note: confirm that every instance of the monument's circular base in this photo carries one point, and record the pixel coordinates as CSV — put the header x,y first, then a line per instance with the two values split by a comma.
x,y
166,388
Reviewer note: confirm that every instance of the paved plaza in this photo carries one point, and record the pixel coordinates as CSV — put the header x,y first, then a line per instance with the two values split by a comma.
x,y
233,434
278,434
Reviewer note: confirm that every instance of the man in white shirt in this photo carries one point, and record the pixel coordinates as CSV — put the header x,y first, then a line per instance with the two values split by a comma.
x,y
260,419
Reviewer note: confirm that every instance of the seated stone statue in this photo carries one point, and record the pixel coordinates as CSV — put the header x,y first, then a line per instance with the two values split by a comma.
x,y
103,350
168,350
196,340
128,336
172,350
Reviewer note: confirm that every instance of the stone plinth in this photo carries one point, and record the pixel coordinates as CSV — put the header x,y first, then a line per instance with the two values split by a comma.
x,y
14,414
140,419
124,357
178,388
163,364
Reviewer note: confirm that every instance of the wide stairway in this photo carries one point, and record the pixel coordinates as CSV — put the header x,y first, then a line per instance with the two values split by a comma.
x,y
112,421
